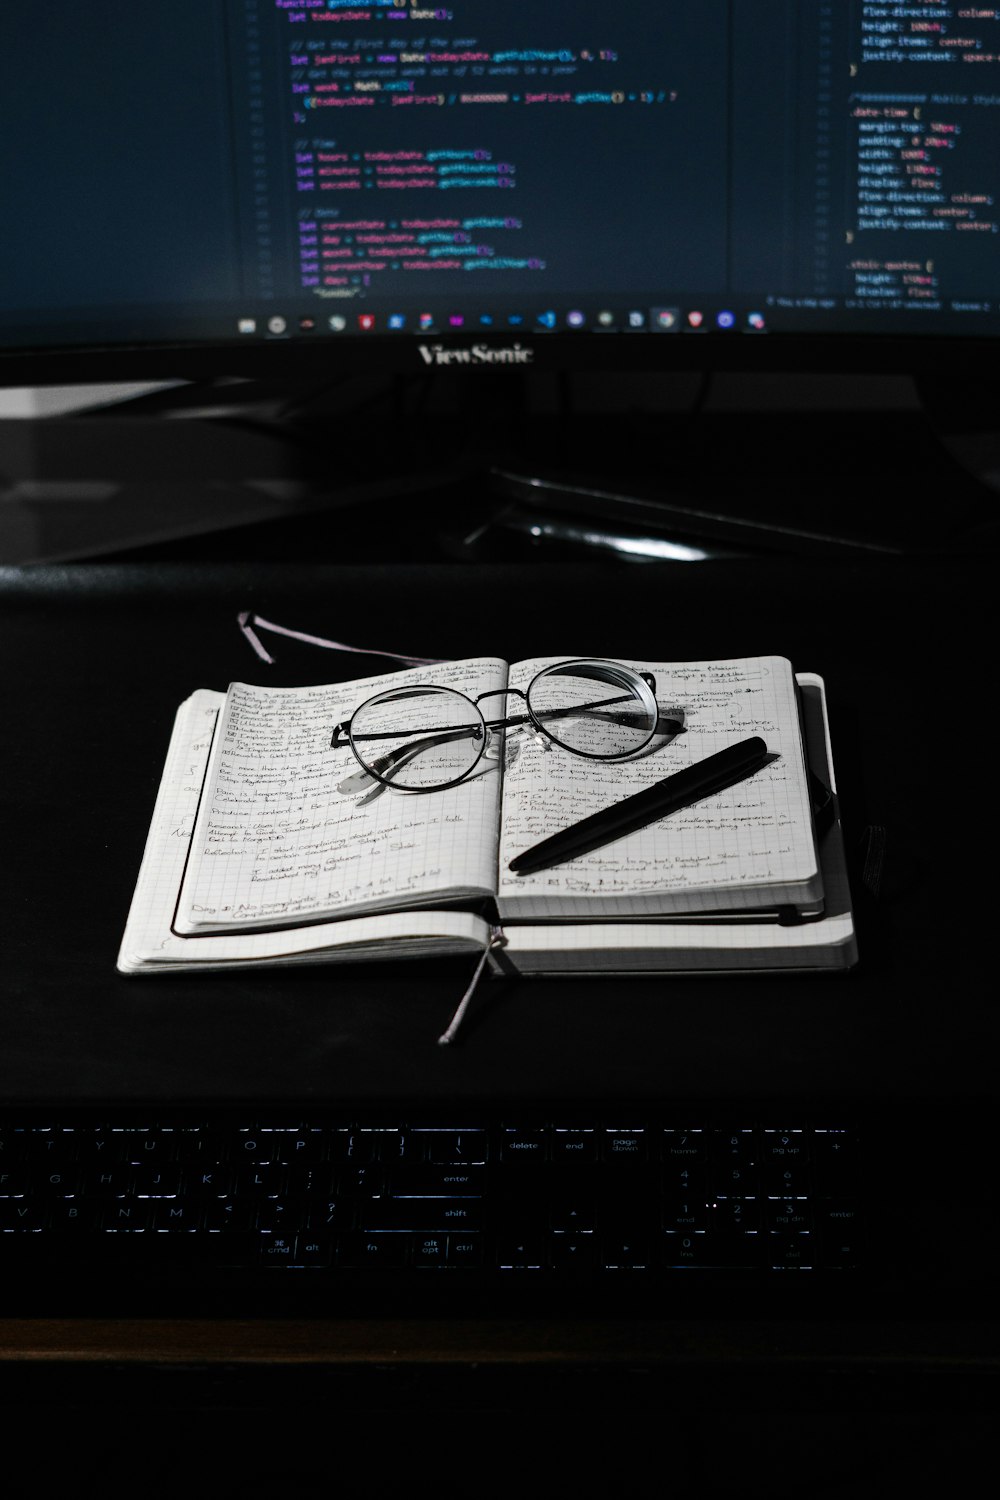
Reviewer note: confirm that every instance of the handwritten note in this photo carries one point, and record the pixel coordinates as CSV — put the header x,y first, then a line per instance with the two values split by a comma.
x,y
755,837
149,943
276,843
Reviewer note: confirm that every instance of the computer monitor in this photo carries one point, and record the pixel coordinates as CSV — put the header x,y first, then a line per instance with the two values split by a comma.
x,y
247,186
299,190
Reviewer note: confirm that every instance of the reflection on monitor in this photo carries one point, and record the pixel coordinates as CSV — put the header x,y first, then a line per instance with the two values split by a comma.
x,y
520,183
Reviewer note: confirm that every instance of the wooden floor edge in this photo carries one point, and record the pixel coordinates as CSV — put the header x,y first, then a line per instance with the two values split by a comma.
x,y
399,1343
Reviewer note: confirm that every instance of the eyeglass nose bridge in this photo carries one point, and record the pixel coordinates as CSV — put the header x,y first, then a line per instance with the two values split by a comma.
x,y
506,722
504,692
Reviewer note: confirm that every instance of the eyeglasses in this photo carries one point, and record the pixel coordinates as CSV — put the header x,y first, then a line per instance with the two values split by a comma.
x,y
427,738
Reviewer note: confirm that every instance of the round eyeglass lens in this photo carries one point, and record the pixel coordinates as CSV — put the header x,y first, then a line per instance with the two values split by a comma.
x,y
418,739
594,708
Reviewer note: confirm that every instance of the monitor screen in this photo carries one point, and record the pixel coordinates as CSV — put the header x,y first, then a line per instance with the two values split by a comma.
x,y
389,182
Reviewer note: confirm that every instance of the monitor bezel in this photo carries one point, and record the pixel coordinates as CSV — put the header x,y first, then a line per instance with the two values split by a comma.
x,y
301,359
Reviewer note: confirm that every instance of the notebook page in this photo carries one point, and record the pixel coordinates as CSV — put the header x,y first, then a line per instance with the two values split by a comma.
x,y
751,843
276,844
149,944
692,944
147,929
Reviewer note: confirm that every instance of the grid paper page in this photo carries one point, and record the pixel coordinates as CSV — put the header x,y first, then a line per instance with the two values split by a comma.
x,y
691,945
749,845
276,844
149,943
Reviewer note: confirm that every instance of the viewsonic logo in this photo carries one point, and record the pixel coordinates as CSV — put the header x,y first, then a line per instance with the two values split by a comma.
x,y
477,354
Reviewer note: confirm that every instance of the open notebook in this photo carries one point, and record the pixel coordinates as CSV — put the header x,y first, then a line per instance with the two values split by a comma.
x,y
255,856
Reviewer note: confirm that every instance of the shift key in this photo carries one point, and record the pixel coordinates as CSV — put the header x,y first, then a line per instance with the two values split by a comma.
x,y
431,1214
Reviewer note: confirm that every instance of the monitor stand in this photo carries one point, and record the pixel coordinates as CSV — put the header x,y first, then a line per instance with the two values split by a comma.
x,y
497,468
683,485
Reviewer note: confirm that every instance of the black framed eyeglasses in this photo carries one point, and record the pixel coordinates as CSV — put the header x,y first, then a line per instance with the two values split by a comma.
x,y
426,738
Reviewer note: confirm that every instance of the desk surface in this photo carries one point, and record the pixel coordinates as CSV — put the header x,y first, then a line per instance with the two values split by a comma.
x,y
96,658
94,661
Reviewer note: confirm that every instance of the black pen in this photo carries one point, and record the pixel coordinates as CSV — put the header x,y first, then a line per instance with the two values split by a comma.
x,y
713,774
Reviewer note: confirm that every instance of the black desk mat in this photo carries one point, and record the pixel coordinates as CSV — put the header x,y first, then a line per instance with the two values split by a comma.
x,y
96,658
93,662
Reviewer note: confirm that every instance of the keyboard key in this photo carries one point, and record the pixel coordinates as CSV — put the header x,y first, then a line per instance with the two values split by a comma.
x,y
278,1216
131,1216
355,1147
571,1213
523,1145
171,1217
729,1216
465,1250
100,1148
713,1251
313,1252
573,1145
73,1216
262,1179
394,1146
299,1148
625,1253
735,1181
573,1252
421,1214
375,1252
429,1250
254,1146
436,1182
789,1252
458,1148
359,1182
785,1146
277,1249
841,1233
525,1254
329,1213
21,1214
156,1182
624,1145
685,1146
51,1149
686,1215
210,1182
223,1215
788,1215
303,1181
786,1178
148,1147
836,1157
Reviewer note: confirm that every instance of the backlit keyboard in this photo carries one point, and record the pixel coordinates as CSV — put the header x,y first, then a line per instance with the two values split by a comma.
x,y
568,1196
